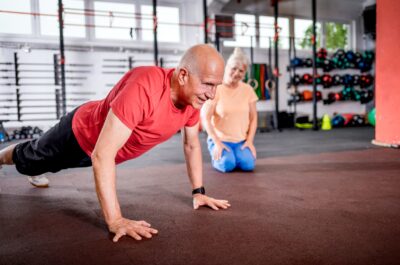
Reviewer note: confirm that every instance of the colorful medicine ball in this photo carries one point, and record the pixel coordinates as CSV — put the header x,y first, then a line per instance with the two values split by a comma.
x,y
337,80
327,80
296,80
296,62
322,53
307,79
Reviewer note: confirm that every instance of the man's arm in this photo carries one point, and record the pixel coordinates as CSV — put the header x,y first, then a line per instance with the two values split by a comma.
x,y
194,164
112,137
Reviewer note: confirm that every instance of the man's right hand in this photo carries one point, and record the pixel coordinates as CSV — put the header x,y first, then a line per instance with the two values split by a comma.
x,y
136,229
218,148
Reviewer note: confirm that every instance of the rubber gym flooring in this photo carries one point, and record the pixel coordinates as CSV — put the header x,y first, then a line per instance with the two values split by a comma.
x,y
326,197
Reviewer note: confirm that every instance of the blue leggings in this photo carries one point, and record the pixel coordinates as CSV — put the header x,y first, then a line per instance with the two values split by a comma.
x,y
236,158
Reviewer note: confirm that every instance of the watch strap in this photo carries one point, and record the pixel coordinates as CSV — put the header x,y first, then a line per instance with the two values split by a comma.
x,y
200,190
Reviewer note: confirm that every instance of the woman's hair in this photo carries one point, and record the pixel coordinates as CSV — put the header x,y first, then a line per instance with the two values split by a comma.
x,y
238,56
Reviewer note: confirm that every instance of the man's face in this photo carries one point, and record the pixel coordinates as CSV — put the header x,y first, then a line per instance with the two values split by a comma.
x,y
200,87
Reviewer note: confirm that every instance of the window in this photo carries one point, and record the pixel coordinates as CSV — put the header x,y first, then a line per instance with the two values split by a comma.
x,y
114,20
336,36
267,30
168,23
16,23
303,33
74,20
245,31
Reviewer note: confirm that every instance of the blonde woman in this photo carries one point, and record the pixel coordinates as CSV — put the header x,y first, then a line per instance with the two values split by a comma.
x,y
230,119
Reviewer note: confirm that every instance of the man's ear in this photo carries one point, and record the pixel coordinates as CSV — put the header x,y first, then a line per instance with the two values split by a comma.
x,y
183,76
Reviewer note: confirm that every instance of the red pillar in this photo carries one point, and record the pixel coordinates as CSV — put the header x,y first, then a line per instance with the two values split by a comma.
x,y
387,98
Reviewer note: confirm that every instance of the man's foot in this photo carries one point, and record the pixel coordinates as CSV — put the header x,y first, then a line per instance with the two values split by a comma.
x,y
40,181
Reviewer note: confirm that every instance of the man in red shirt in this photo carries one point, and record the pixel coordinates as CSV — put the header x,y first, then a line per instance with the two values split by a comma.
x,y
145,108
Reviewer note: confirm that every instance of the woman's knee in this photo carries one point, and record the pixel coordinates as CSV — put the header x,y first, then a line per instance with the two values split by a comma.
x,y
247,164
226,163
245,160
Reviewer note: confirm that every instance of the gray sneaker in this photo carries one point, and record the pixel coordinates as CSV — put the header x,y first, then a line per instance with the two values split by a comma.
x,y
40,181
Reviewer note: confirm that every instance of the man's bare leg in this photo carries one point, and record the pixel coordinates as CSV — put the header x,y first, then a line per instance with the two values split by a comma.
x,y
6,155
40,181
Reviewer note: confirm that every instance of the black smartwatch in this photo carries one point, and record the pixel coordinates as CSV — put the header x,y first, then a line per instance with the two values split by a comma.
x,y
200,190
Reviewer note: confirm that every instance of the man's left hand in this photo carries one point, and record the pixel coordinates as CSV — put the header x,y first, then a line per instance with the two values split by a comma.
x,y
203,200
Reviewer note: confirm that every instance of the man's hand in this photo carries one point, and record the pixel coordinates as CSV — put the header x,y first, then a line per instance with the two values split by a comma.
x,y
135,229
203,200
218,149
251,147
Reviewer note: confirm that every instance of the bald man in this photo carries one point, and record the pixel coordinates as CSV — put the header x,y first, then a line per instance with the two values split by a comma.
x,y
146,107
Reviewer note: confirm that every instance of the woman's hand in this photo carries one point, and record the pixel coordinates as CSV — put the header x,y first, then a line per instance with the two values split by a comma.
x,y
251,146
218,148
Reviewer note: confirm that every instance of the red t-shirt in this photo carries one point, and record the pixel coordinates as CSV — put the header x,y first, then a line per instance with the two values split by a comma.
x,y
142,101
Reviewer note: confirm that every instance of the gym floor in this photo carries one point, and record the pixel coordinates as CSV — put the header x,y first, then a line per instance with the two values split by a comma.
x,y
325,197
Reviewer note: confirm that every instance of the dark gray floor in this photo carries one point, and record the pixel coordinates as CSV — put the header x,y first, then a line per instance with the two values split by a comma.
x,y
272,144
325,197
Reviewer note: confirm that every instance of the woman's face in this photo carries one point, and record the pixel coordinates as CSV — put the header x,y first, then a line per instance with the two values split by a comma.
x,y
235,72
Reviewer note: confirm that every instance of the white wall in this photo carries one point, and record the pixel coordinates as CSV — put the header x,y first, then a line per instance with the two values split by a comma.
x,y
99,84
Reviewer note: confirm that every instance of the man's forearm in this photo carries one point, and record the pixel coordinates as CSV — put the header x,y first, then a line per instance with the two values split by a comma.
x,y
105,180
194,164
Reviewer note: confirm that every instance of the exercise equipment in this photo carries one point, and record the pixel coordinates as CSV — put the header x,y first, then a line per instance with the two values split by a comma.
x,y
366,96
372,117
326,123
318,79
368,56
308,62
347,118
340,53
357,120
322,53
259,81
4,137
356,80
363,65
366,80
307,95
296,62
347,80
327,65
350,56
318,95
337,121
296,80
333,97
26,132
337,80
307,79
348,93
338,62
327,80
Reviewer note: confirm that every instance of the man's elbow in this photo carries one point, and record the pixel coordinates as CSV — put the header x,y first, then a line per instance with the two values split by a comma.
x,y
99,157
190,146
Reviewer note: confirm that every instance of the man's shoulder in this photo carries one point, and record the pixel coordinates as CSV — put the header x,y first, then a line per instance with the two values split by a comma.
x,y
149,72
150,78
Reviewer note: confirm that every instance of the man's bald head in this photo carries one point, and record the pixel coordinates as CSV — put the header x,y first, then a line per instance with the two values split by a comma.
x,y
197,76
201,57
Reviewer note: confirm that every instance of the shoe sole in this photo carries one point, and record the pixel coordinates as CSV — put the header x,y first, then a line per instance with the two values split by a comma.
x,y
38,185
